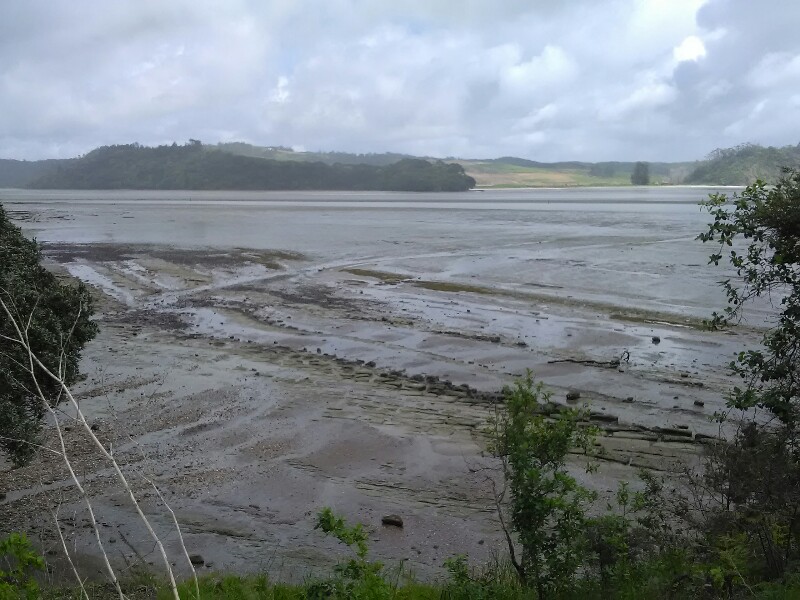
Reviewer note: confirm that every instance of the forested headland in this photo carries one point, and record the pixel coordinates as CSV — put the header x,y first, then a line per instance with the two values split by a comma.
x,y
194,167
743,164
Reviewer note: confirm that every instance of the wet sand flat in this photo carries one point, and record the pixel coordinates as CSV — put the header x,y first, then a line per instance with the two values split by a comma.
x,y
261,358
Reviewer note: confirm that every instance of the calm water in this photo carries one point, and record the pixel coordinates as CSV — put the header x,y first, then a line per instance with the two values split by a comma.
x,y
626,246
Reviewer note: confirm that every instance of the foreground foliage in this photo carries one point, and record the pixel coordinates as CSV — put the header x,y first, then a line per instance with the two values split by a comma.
x,y
18,563
547,505
58,326
749,492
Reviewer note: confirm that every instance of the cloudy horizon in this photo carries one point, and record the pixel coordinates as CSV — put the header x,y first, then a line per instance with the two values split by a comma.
x,y
655,80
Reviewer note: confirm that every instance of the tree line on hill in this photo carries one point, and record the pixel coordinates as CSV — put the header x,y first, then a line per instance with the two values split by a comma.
x,y
743,164
194,167
329,158
244,166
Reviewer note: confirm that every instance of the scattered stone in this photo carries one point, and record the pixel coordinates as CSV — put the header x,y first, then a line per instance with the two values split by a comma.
x,y
573,396
655,339
603,418
392,521
95,427
197,560
628,400
699,403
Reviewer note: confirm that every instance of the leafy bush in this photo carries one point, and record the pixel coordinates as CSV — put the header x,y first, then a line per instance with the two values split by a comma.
x,y
58,326
18,563
358,578
547,504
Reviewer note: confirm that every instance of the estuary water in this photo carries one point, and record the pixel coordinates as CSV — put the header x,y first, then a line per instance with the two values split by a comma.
x,y
628,246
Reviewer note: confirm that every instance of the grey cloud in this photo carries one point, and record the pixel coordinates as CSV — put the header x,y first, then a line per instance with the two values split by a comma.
x,y
546,80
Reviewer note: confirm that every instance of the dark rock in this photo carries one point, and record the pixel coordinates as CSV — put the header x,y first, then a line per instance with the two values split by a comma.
x,y
603,418
674,431
392,521
699,403
573,396
655,339
197,560
628,400
95,427
370,364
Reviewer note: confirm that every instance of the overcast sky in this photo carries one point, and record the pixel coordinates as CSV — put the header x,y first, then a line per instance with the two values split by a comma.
x,y
541,79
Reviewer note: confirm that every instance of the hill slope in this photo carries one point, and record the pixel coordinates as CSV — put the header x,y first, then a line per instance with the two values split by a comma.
x,y
743,164
507,171
19,173
329,158
193,167
510,171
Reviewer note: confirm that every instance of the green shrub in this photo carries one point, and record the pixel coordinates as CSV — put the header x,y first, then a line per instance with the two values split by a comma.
x,y
18,562
547,505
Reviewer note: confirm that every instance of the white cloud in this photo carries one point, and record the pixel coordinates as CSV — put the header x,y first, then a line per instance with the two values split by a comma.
x,y
619,79
776,69
692,48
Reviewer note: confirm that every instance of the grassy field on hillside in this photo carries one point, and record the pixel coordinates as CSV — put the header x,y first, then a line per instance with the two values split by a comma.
x,y
503,175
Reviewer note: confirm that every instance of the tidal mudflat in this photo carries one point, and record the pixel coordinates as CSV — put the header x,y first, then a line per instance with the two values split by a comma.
x,y
263,355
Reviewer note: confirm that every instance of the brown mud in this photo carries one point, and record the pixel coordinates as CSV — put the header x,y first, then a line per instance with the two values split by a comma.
x,y
256,387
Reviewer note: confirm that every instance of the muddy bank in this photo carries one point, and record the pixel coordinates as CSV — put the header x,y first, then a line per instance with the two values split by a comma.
x,y
257,388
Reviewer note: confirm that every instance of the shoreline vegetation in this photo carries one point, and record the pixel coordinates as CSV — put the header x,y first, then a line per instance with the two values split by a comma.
x,y
241,166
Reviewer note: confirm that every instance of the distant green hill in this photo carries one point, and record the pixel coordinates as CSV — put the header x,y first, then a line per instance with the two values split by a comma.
x,y
193,167
242,166
19,173
743,164
510,171
329,158
507,171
